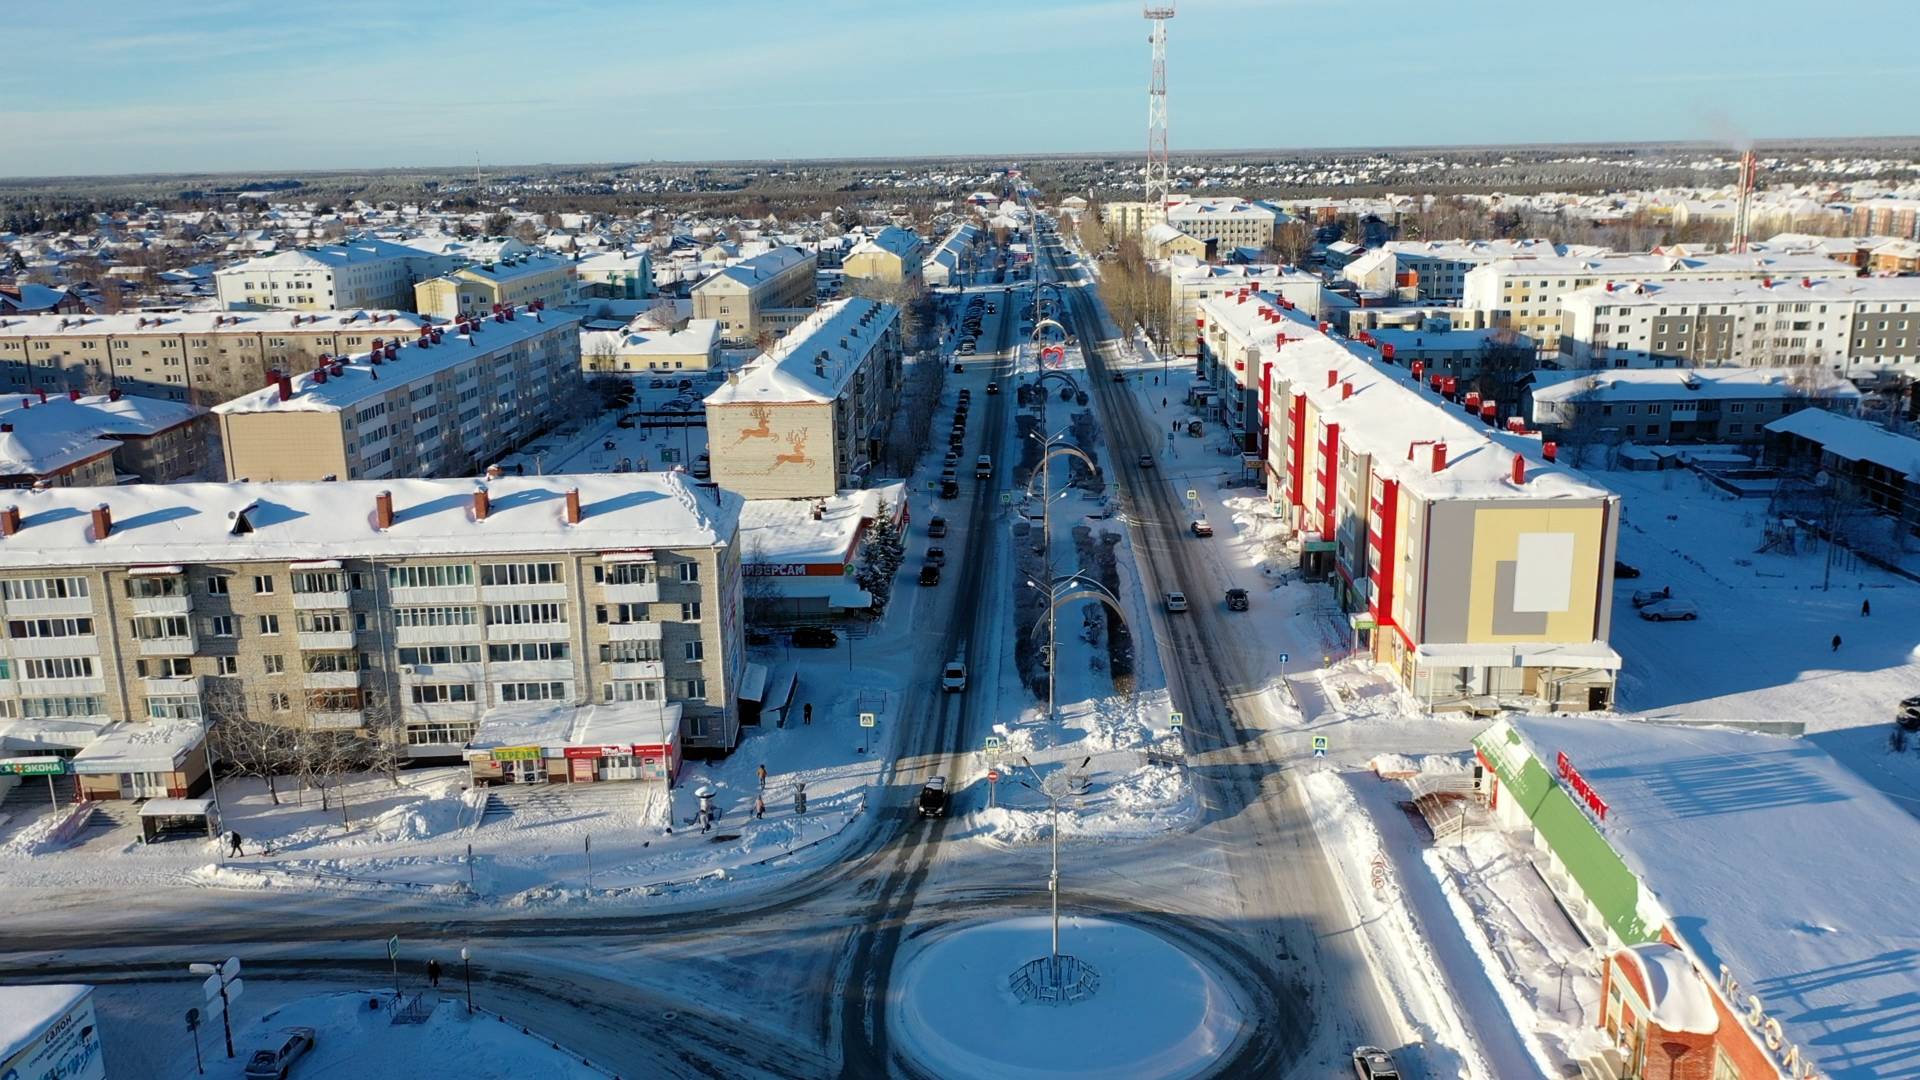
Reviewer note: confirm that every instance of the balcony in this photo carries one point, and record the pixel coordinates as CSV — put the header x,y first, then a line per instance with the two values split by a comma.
x,y
637,669
162,605
436,635
553,631
88,685
344,720
432,594
326,639
53,605
77,645
332,680
167,646
554,590
188,685
639,593
633,631
321,601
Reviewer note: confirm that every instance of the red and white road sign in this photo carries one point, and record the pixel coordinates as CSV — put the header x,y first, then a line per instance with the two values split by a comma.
x,y
993,776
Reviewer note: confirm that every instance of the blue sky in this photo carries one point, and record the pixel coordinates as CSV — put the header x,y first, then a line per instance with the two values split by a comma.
x,y
119,86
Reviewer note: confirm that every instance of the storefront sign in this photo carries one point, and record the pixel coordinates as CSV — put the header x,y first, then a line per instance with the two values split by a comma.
x,y
593,751
1581,788
1766,1027
793,569
516,753
33,766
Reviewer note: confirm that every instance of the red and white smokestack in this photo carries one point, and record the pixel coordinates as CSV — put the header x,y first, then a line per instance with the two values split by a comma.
x,y
1550,451
1519,470
1386,353
1346,390
285,383
1333,376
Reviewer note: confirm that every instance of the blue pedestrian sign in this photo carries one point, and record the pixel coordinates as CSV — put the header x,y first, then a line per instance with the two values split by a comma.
x,y
1319,746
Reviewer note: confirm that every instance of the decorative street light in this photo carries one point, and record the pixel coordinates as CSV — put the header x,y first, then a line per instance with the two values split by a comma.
x,y
466,968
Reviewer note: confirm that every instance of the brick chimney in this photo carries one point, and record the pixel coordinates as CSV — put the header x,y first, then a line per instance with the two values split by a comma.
x,y
1333,376
1439,456
113,394
573,506
102,522
285,383
383,510
9,520
481,503
1519,470
73,395
1550,451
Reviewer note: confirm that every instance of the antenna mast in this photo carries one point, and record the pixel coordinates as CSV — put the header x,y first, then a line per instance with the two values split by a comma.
x,y
1158,175
1749,173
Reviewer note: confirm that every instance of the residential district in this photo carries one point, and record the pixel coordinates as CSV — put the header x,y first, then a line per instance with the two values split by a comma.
x,y
603,639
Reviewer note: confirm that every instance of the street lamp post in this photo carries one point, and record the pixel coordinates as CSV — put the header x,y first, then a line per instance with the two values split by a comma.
x,y
1053,873
466,969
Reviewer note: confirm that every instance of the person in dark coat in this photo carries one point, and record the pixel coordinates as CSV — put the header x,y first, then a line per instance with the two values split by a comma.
x,y
1866,608
233,839
1836,643
433,973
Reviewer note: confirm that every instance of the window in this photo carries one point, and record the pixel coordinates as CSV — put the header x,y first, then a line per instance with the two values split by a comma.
x,y
629,652
333,701
156,627
623,613
263,583
690,612
533,691
217,585
59,667
694,688
279,702
226,665
520,574
632,690
1736,429
1655,408
330,662
414,656
173,707
689,571
43,628
436,616
508,651
443,694
273,663
59,588
626,573
320,622
695,651
150,587
439,734
269,624
1737,406
220,626
63,705
520,614
429,577
324,581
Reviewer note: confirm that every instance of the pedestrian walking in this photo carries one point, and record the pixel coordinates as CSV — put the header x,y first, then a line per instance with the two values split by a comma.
x,y
706,821
763,777
233,840
759,808
1836,643
1163,403
433,973
1866,608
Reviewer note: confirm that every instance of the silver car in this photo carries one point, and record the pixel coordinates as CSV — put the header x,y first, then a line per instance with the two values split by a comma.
x,y
288,1045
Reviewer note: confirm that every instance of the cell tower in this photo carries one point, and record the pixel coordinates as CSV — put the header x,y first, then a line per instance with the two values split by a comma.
x,y
1749,173
1159,175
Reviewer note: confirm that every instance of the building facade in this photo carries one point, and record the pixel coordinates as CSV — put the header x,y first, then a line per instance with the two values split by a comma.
x,y
748,297
78,441
651,351
361,273
1704,405
1190,281
411,606
615,275
203,358
1226,222
439,404
482,288
808,417
1435,271
892,256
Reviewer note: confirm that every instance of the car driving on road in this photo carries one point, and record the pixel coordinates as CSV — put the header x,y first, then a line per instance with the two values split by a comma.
x,y
1669,611
1176,601
1373,1063
953,678
1201,527
1237,600
933,798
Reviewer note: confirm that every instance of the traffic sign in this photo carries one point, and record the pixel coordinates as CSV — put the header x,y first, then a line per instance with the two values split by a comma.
x,y
1319,746
1192,495
393,947
993,776
868,719
992,744
1283,658
1177,720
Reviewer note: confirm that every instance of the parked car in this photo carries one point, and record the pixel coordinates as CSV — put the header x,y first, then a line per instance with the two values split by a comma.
x,y
959,368
933,798
983,466
936,527
1908,717
930,574
287,1046
1624,572
1146,461
1119,376
1237,600
815,637
1643,597
1176,601
1373,1063
937,556
953,678
949,489
1200,527
1669,611
624,422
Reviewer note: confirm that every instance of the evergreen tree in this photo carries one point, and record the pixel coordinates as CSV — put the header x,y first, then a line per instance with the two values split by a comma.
x,y
880,557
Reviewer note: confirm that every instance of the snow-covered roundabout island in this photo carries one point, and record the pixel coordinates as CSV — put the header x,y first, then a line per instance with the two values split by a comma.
x,y
1159,1012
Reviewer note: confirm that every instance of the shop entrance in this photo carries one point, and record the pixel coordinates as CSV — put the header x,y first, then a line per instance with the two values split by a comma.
x,y
523,772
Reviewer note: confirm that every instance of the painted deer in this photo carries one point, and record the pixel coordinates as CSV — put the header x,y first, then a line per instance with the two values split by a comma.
x,y
765,428
796,456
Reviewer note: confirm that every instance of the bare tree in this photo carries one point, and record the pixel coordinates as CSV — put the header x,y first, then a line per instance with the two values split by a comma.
x,y
249,746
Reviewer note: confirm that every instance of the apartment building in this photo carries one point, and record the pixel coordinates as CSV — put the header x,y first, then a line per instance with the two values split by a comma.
x,y
445,403
647,350
1226,222
807,418
1524,295
514,281
757,294
73,440
615,275
199,357
956,257
1667,405
1190,282
892,256
1130,218
1839,324
1435,271
1898,218
1468,560
424,607
359,273
1866,464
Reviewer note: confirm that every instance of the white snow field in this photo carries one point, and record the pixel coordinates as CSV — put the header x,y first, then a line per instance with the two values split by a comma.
x,y
1159,1013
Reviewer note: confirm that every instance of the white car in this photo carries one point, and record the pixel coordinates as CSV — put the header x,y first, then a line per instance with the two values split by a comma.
x,y
1669,611
1176,601
954,678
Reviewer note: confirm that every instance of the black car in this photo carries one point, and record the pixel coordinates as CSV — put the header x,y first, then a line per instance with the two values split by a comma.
x,y
930,574
1624,572
933,798
949,489
993,388
815,637
936,527
1236,599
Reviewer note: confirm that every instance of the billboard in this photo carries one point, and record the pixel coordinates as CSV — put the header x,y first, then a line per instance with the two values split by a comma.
x,y
67,1046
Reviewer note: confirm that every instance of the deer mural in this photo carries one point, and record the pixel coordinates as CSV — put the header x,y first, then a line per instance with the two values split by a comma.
x,y
796,456
764,430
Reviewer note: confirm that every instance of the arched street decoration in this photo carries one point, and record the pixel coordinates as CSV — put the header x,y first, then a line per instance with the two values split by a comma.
x,y
1059,449
1053,355
1044,323
1073,388
1068,589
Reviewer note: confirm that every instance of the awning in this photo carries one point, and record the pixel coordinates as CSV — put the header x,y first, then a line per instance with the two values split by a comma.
x,y
1539,654
753,682
155,571
176,808
1360,620
50,733
641,555
315,564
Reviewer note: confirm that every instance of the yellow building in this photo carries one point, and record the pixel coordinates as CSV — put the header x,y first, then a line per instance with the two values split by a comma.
x,y
1163,241
891,256
758,294
511,282
647,350
1467,559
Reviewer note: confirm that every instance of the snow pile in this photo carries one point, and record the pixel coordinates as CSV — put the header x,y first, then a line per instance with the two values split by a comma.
x,y
1679,1000
1158,1013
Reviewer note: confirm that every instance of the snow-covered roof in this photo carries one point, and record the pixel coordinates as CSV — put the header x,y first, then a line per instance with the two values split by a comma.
x,y
1210,207
1680,384
164,524
1402,339
1678,999
700,336
753,271
1627,267
206,322
1734,835
29,296
148,746
360,380
813,362
38,438
891,240
620,723
27,1011
1160,234
47,733
328,256
1388,413
1845,289
1487,250
1853,439
785,532
514,267
477,248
